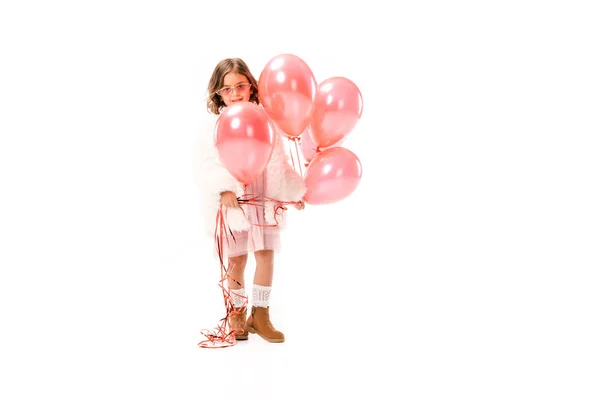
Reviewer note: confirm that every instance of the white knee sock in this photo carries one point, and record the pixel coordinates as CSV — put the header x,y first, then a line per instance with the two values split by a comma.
x,y
238,297
261,295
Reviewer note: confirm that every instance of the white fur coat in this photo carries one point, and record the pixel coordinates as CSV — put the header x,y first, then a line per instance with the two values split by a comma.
x,y
282,182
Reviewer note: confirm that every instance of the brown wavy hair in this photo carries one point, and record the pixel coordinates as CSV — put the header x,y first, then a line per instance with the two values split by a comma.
x,y
215,103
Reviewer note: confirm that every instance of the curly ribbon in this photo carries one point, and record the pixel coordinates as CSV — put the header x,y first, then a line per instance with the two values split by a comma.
x,y
258,201
223,335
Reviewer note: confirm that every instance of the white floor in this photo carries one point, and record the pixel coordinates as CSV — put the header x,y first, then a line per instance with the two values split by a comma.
x,y
437,320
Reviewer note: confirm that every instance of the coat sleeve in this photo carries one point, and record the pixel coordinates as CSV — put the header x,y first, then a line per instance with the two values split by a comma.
x,y
214,177
292,185
285,183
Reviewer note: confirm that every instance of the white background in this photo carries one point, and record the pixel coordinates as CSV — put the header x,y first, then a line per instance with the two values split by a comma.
x,y
465,265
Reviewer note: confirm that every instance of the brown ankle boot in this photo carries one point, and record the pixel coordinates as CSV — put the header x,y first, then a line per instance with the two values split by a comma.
x,y
237,321
260,323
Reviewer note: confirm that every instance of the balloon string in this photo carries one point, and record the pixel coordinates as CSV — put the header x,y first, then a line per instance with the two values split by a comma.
x,y
258,201
298,157
292,158
299,169
223,335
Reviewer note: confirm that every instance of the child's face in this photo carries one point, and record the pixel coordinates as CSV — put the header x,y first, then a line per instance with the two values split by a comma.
x,y
235,88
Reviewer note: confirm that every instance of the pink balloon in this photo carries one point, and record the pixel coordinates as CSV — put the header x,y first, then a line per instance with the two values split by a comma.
x,y
309,147
332,176
245,139
338,106
287,88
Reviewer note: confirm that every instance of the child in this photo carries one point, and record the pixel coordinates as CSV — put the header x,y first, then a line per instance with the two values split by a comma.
x,y
256,228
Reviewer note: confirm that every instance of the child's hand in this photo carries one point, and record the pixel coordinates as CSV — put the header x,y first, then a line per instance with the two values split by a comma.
x,y
228,199
299,205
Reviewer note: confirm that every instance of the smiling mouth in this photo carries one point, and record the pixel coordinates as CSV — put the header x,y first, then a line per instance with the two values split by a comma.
x,y
236,100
